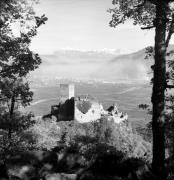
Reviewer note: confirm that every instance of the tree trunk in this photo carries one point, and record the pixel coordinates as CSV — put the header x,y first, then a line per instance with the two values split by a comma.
x,y
158,94
11,116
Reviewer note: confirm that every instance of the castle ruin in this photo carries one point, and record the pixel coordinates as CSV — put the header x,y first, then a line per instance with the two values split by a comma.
x,y
83,108
66,92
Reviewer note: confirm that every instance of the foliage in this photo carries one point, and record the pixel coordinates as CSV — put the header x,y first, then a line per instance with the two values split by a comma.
x,y
87,146
19,123
16,61
91,138
17,89
114,166
90,146
169,125
16,57
14,94
12,146
126,10
44,134
158,15
123,138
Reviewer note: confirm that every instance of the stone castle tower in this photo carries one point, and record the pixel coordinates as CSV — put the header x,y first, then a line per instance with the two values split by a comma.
x,y
66,92
66,108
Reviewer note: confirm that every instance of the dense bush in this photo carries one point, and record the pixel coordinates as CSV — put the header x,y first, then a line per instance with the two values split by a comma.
x,y
121,137
9,145
87,137
44,134
78,148
114,166
91,139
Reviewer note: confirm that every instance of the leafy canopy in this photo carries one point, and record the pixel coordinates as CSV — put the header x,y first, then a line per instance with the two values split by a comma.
x,y
142,12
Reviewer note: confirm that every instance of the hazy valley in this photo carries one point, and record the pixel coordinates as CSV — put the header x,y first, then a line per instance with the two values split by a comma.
x,y
99,65
109,76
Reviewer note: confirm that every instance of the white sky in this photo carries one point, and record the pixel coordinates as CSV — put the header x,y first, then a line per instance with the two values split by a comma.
x,y
84,25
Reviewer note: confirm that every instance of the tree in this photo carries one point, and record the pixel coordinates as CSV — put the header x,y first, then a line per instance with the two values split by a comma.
x,y
15,54
158,14
14,92
16,61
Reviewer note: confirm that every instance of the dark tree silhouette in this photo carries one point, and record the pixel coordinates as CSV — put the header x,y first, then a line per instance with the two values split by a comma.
x,y
16,61
159,15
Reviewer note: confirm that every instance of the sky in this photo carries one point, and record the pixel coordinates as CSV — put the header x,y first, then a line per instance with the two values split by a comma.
x,y
84,25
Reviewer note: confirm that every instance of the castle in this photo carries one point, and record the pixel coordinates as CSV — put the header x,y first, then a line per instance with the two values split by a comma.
x,y
83,108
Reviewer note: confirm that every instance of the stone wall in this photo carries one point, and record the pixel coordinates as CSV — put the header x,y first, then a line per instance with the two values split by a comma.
x,y
94,112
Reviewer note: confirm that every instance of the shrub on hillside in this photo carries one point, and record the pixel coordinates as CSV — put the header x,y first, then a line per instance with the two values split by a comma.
x,y
11,132
76,146
89,140
44,134
123,138
88,137
116,166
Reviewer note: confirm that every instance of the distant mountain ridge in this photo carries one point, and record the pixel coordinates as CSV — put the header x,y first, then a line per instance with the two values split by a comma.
x,y
106,65
128,67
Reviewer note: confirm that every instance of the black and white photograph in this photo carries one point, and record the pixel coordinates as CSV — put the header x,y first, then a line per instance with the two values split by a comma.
x,y
86,89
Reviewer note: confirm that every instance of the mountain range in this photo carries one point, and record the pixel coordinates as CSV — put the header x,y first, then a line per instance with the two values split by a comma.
x,y
99,65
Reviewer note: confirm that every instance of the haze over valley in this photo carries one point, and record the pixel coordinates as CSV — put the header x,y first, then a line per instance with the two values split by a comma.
x,y
104,65
109,76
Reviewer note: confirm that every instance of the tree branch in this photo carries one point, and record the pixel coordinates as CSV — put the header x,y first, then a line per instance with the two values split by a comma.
x,y
141,5
171,31
169,86
153,2
148,27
